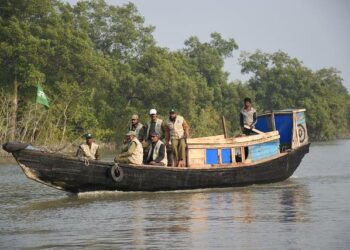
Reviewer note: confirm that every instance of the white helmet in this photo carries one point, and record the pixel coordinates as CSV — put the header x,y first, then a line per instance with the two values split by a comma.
x,y
153,112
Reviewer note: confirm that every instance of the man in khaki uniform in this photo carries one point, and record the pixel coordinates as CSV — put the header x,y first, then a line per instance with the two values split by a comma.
x,y
177,131
157,152
136,125
133,154
89,150
154,125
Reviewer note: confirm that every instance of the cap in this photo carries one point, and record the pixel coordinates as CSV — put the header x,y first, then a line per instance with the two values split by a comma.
x,y
88,136
154,134
134,117
173,110
131,133
153,112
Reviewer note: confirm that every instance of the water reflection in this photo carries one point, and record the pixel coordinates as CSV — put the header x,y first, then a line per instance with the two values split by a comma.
x,y
239,204
244,206
294,202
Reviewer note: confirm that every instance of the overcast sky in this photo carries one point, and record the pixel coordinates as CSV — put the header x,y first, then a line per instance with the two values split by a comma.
x,y
315,31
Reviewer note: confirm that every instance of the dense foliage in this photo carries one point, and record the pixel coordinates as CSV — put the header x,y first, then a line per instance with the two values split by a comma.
x,y
99,64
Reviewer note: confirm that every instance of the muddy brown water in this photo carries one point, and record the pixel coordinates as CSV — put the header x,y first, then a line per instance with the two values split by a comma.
x,y
311,210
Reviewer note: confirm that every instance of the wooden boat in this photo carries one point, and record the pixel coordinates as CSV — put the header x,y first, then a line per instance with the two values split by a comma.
x,y
273,155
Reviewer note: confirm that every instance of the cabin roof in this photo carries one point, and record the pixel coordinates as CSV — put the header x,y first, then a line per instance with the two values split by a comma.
x,y
283,111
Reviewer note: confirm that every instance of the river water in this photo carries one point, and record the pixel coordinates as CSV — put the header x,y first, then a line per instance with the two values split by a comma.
x,y
311,210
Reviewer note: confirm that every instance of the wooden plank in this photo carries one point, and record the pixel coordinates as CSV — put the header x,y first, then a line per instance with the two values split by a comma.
x,y
205,139
196,162
219,156
254,130
196,153
255,137
243,154
247,162
233,140
233,155
282,111
196,157
230,145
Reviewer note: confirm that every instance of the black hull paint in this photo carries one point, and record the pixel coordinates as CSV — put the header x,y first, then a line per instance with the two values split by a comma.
x,y
70,174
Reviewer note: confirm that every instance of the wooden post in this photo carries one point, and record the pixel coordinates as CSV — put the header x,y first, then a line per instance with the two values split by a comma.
x,y
273,124
243,154
233,155
224,126
219,156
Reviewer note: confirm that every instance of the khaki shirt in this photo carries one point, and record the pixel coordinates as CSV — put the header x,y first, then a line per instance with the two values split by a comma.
x,y
134,153
151,127
91,153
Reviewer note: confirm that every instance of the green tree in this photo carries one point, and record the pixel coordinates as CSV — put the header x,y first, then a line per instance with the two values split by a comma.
x,y
209,57
20,50
280,82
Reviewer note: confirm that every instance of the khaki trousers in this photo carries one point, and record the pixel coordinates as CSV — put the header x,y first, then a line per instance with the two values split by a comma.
x,y
122,160
179,149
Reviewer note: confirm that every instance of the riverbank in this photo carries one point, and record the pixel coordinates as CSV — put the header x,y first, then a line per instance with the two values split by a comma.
x,y
347,136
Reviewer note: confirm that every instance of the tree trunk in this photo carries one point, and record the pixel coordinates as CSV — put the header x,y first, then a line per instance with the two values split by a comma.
x,y
13,118
64,122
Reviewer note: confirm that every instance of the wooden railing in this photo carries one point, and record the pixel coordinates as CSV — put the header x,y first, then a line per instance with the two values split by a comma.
x,y
220,151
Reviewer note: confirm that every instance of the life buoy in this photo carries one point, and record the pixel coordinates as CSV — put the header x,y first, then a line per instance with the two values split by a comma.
x,y
301,133
117,173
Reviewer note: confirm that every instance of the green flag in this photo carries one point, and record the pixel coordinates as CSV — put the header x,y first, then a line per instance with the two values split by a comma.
x,y
41,97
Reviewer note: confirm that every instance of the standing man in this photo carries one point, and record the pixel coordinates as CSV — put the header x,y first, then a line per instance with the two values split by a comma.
x,y
136,126
133,153
154,125
157,152
248,117
90,150
177,131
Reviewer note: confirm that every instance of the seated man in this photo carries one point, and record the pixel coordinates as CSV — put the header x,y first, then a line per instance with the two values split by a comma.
x,y
157,152
133,153
89,150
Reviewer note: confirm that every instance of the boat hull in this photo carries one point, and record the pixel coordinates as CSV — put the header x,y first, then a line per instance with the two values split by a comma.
x,y
73,175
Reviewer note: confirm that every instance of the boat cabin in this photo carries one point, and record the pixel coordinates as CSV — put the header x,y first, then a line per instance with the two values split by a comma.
x,y
290,124
277,132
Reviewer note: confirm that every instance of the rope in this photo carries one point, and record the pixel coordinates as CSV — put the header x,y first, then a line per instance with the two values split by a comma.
x,y
86,162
